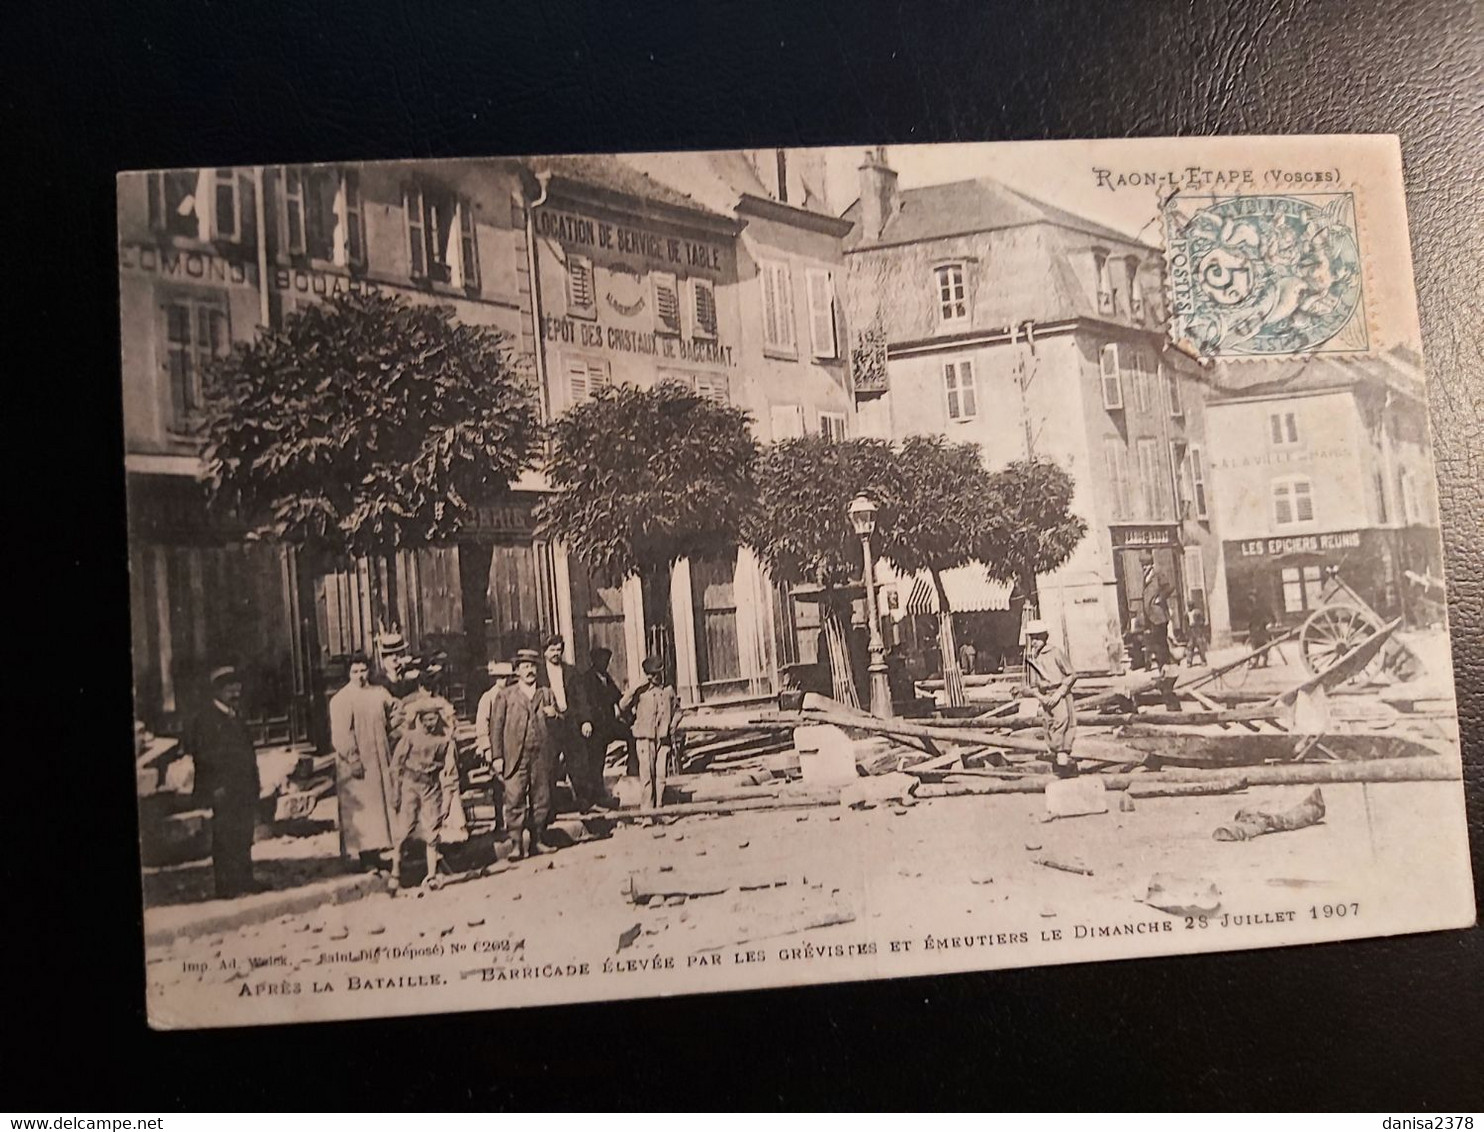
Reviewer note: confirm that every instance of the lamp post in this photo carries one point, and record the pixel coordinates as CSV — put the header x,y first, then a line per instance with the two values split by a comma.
x,y
862,512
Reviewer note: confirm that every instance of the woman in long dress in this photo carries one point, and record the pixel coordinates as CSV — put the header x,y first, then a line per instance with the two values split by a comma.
x,y
365,720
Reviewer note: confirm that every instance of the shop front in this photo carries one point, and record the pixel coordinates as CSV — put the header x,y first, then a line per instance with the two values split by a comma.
x,y
1282,577
1132,547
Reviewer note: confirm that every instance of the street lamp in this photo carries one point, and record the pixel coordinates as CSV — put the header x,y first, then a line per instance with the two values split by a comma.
x,y
862,512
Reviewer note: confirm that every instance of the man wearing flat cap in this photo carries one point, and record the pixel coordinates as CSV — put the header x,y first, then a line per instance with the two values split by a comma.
x,y
518,732
227,782
655,709
576,723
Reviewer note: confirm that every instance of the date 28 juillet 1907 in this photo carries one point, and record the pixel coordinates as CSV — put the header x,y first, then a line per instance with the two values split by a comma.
x,y
1253,919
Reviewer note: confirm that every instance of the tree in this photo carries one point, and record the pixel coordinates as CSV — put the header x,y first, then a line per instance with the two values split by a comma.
x,y
802,532
1031,529
947,498
645,477
366,423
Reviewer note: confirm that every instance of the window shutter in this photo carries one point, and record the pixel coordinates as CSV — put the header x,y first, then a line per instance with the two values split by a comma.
x,y
584,378
1172,384
950,383
769,279
822,314
1112,379
1197,480
1195,579
968,396
291,182
1303,501
417,240
666,303
581,295
714,387
704,295
355,232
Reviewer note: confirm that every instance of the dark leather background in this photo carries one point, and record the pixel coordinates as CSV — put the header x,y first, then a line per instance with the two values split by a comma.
x,y
91,88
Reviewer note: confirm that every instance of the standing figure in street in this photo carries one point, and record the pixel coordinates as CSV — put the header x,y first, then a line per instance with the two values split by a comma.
x,y
655,709
1200,638
967,655
1259,628
1156,607
575,724
365,721
424,762
227,782
521,730
603,695
1051,679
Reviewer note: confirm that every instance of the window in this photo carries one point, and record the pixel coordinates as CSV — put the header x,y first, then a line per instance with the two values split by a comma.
x,y
1198,481
1302,588
1112,377
953,295
958,383
1195,580
199,204
581,290
1293,501
666,303
1142,378
832,426
1152,482
1411,504
787,421
1180,477
585,376
703,301
778,308
441,242
714,387
1103,279
1115,453
822,314
1172,389
1283,428
196,333
1135,290
320,214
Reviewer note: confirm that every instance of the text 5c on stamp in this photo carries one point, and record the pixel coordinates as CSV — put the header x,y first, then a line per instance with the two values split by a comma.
x,y
1265,276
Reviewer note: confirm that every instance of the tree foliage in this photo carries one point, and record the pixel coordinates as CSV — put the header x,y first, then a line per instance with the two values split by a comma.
x,y
1031,529
800,527
644,477
942,505
366,423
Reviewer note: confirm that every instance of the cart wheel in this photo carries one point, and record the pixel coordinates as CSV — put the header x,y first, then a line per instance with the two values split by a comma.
x,y
1331,633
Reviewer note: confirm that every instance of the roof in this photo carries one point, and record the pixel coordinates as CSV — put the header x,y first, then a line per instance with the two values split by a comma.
x,y
609,174
1398,369
956,208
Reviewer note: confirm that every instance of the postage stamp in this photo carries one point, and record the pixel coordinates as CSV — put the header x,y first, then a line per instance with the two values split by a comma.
x,y
1265,276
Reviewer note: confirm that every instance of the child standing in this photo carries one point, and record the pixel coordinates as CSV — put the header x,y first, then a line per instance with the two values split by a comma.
x,y
656,710
425,758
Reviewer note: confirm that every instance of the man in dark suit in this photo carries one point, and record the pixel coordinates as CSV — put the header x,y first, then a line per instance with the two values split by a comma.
x,y
520,733
603,694
576,724
226,782
1155,597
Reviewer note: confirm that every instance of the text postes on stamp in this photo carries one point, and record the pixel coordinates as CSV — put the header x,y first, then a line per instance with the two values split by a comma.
x,y
1265,276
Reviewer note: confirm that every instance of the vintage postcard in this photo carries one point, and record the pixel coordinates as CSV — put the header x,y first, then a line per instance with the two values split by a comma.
x,y
559,579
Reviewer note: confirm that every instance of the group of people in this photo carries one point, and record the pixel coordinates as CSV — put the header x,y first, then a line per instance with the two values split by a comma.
x,y
543,719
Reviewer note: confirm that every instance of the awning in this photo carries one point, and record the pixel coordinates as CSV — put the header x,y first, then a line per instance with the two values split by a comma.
x,y
969,589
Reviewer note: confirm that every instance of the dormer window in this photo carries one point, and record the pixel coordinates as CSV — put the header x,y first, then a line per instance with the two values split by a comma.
x,y
1135,290
953,294
1103,280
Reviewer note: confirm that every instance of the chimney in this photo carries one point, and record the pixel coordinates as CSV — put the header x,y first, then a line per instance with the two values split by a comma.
x,y
878,192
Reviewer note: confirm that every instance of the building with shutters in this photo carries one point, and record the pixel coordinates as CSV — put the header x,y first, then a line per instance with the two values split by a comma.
x,y
1318,464
208,257
696,268
983,315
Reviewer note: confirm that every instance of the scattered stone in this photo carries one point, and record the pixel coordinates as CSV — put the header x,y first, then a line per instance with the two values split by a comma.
x,y
479,923
1065,865
628,936
1032,846
446,931
834,817
1047,914
980,878
899,811
864,793
1075,797
657,833
675,901
667,868
343,933
516,896
376,929
743,844
802,817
